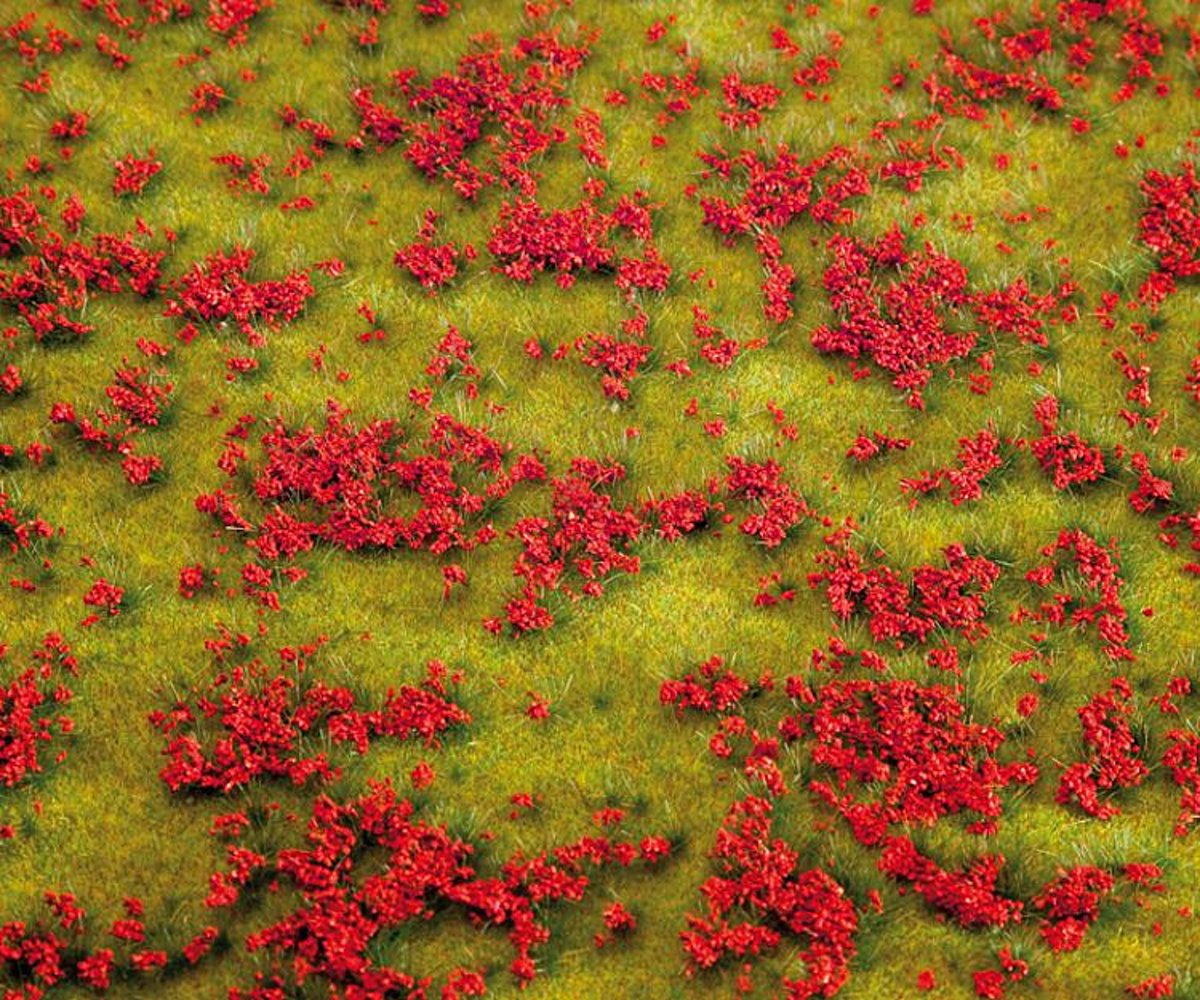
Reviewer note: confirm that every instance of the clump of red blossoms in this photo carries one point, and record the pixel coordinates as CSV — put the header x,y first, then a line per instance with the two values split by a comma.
x,y
762,899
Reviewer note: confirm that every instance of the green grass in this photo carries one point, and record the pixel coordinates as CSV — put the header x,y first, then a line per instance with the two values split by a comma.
x,y
102,826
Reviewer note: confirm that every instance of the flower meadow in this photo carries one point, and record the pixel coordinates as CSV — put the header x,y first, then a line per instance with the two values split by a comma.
x,y
583,500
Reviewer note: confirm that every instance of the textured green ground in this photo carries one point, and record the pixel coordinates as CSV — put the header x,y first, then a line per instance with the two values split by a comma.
x,y
107,826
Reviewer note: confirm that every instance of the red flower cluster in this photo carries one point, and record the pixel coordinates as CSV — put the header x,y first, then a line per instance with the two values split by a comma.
x,y
1139,43
245,175
762,484
218,291
57,274
1154,986
254,722
1066,458
434,265
106,597
1182,759
592,141
991,983
777,193
350,900
1094,596
906,326
231,18
866,448
820,70
618,921
588,538
978,458
528,239
19,532
911,746
139,397
745,102
760,896
715,690
1170,227
337,479
1152,491
132,173
207,98
1071,904
31,705
511,96
969,897
679,514
618,357
1114,758
900,612
978,85
40,958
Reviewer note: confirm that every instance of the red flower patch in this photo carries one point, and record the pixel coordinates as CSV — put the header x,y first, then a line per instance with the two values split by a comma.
x,y
1094,597
255,723
762,898
901,612
218,291
1114,757
433,264
132,173
348,902
1066,458
31,709
911,744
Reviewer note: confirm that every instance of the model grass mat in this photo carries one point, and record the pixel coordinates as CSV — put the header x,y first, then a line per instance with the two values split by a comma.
x,y
593,500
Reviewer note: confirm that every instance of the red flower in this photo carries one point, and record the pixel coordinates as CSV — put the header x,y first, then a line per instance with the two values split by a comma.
x,y
132,174
105,596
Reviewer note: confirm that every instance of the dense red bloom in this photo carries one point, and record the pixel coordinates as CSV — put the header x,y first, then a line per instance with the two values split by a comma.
x,y
902,309
139,397
902,612
866,448
207,98
909,746
978,458
968,897
433,264
762,484
253,723
515,93
52,276
716,689
679,514
1170,223
1162,985
19,532
588,539
1182,759
105,596
340,485
231,18
218,291
348,901
1070,904
1092,572
1066,458
132,174
31,709
745,102
761,896
1114,758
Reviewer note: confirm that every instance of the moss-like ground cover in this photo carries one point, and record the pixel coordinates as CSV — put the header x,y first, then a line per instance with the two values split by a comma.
x,y
572,345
